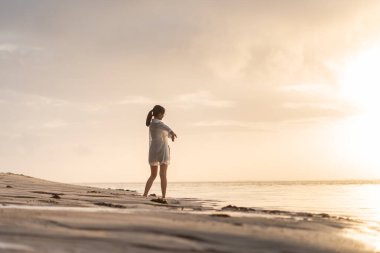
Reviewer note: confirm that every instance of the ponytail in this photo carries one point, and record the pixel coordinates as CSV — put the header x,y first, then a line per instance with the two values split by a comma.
x,y
149,117
157,109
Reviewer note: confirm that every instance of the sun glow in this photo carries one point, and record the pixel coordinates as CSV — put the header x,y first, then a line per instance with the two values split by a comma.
x,y
360,134
360,79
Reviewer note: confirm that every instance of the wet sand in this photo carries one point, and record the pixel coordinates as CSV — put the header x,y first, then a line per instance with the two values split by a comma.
x,y
43,216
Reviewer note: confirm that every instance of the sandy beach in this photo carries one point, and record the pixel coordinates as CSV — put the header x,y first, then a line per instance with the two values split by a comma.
x,y
43,216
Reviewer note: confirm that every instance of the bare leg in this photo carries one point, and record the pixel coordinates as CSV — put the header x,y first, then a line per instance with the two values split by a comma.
x,y
153,175
163,169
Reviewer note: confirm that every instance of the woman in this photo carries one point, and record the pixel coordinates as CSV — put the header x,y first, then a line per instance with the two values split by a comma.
x,y
159,150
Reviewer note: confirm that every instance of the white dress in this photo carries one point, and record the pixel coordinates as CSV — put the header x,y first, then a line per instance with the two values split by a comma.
x,y
159,150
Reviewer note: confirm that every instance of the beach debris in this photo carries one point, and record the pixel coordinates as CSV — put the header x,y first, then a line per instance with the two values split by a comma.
x,y
302,214
161,201
50,193
280,212
152,195
8,186
94,192
324,215
127,190
109,205
238,208
223,215
55,196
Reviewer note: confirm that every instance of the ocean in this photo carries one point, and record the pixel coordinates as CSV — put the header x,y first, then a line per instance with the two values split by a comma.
x,y
354,199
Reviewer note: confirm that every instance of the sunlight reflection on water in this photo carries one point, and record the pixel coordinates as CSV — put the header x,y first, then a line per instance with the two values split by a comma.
x,y
358,200
365,235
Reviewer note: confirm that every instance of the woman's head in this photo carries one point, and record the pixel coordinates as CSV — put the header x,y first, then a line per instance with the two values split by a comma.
x,y
158,112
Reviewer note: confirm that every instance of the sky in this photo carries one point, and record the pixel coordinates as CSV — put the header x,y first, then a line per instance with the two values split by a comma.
x,y
255,90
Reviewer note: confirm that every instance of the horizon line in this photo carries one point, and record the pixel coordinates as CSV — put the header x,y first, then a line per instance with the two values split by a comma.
x,y
246,181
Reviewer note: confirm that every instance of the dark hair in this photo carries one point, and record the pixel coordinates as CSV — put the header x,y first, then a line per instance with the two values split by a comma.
x,y
157,109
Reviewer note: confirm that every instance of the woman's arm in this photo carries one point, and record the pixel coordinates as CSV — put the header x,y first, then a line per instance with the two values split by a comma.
x,y
163,126
172,135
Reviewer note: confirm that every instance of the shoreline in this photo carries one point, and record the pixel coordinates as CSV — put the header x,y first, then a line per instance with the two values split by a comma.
x,y
58,217
236,208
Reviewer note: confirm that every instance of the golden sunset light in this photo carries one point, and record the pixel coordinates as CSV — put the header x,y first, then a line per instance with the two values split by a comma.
x,y
358,135
293,91
190,126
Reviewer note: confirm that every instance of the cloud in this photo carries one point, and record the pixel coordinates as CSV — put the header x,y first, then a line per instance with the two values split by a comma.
x,y
200,98
233,125
12,48
227,123
257,126
322,106
322,88
78,77
270,60
136,100
36,114
183,100
255,43
29,99
8,48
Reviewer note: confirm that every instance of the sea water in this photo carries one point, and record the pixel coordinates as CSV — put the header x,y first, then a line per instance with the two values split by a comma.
x,y
354,199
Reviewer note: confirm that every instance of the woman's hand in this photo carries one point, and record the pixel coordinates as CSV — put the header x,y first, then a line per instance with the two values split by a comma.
x,y
173,135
